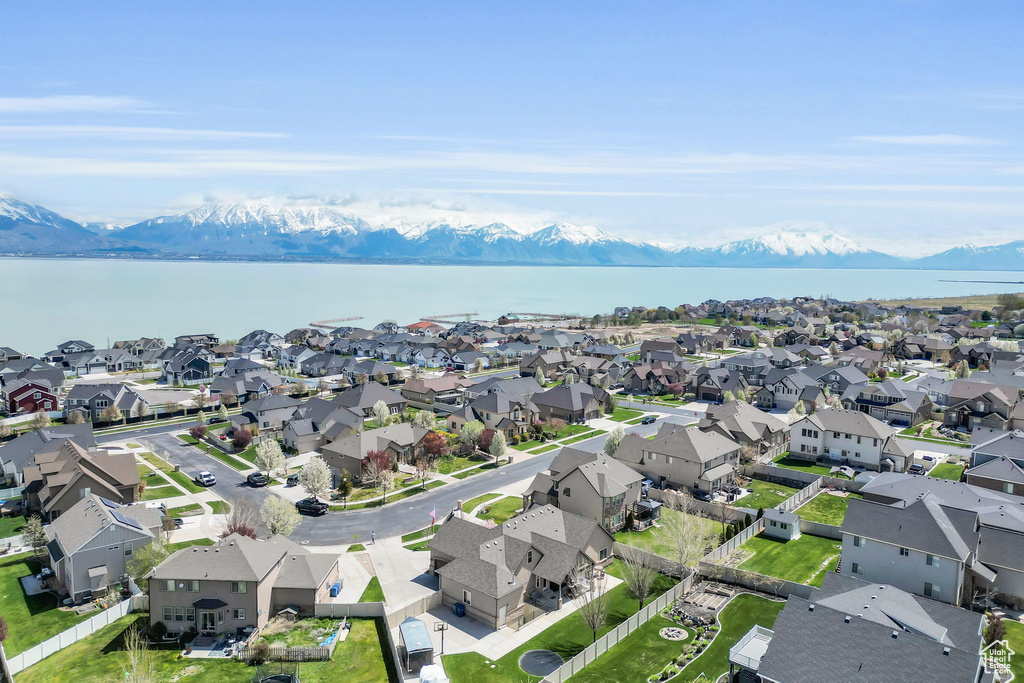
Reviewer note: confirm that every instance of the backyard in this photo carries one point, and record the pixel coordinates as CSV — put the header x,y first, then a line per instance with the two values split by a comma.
x,y
640,654
947,470
31,619
826,508
100,657
803,560
567,637
11,526
501,510
657,539
765,494
800,465
301,633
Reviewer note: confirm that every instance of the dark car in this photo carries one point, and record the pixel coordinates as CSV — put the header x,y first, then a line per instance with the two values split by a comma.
x,y
293,480
257,479
649,420
916,469
701,495
312,506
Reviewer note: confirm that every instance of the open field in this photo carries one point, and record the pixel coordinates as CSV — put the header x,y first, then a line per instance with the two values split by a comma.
x,y
980,301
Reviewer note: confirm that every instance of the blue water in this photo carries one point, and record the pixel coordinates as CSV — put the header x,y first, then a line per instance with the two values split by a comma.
x,y
46,301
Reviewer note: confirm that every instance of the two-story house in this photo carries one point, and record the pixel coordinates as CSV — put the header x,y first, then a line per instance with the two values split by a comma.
x,y
506,413
849,437
402,441
58,479
890,401
685,458
91,400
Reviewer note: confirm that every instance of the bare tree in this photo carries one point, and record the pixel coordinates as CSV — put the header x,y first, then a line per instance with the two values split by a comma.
x,y
75,417
638,573
111,414
228,398
40,420
425,466
141,410
687,534
200,400
595,604
140,667
242,519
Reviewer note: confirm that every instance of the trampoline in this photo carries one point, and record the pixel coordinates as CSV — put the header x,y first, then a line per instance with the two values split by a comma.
x,y
539,662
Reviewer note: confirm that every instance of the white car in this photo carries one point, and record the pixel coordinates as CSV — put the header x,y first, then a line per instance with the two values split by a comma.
x,y
205,479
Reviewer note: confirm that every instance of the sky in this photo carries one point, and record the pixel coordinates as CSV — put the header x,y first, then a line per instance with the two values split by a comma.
x,y
896,124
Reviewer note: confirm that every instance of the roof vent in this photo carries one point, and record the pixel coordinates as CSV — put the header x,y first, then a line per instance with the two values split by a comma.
x,y
895,634
945,651
810,608
847,618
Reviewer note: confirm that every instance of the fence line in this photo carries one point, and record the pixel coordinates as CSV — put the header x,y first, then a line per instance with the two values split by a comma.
x,y
800,497
37,653
784,474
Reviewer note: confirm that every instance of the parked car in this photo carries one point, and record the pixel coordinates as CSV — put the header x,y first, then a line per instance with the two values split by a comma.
x,y
916,468
702,495
312,506
205,479
257,479
649,420
292,480
45,574
178,522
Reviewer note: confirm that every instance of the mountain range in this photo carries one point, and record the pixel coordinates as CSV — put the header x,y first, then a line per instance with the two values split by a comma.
x,y
262,232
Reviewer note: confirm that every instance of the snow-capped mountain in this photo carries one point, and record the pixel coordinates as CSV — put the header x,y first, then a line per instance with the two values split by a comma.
x,y
261,231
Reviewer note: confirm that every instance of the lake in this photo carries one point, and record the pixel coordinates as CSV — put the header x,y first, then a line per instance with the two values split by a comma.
x,y
47,301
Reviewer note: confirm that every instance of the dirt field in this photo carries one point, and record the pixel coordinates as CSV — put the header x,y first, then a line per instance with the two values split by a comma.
x,y
981,301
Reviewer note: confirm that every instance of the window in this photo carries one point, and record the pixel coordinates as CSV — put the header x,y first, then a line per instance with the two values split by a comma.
x,y
651,456
783,525
238,587
565,491
467,597
931,591
529,557
931,560
904,552
168,586
773,523
835,435
858,541
128,549
604,554
168,614
190,614
179,614
856,568
1007,487
220,616
239,614
192,586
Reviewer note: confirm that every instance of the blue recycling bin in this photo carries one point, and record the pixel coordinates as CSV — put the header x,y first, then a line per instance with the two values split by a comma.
x,y
335,589
460,610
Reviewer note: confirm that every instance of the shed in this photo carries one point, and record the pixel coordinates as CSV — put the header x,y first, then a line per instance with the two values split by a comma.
x,y
417,650
782,525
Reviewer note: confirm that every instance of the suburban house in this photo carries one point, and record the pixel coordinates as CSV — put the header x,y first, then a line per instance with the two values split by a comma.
x,y
710,384
204,340
237,585
268,412
899,637
987,406
246,384
20,452
765,434
784,389
401,441
572,402
90,545
913,347
319,422
424,393
187,366
58,479
849,437
508,574
591,485
292,356
998,474
364,396
501,412
549,363
684,458
990,444
892,401
29,396
92,399
654,377
66,348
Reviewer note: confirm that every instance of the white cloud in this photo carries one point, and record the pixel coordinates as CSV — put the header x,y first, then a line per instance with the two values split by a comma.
x,y
70,103
943,140
128,133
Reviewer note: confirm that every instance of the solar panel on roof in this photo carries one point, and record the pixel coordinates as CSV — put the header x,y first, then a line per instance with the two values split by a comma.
x,y
108,503
124,520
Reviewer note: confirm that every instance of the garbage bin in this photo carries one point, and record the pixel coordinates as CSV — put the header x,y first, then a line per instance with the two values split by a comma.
x,y
335,589
460,610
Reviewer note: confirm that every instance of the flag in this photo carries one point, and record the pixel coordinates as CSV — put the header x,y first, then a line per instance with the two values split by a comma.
x,y
433,515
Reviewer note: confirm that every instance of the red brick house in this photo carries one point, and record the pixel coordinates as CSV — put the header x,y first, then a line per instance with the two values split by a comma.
x,y
28,396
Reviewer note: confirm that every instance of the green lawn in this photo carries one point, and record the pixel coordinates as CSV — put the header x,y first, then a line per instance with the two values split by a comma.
x,y
656,540
545,449
419,546
527,445
459,462
174,547
470,505
158,492
738,617
624,414
567,637
502,510
765,495
800,561
800,465
422,533
220,507
31,619
826,508
100,658
1015,639
373,592
185,510
640,654
356,548
180,478
476,470
947,470
11,526
584,437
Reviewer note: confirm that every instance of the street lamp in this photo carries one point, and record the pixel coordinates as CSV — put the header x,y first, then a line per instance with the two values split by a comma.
x,y
441,626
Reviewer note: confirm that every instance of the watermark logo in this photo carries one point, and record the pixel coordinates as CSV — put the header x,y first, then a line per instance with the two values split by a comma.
x,y
997,655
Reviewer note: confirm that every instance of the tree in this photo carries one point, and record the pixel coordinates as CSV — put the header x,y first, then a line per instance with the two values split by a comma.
x,y
40,420
381,413
555,424
833,350
228,398
1018,331
33,535
539,376
498,446
5,431
688,536
315,477
142,562
485,439
380,378
570,378
425,419
222,413
242,519
728,397
269,456
676,389
171,407
345,487
279,515
241,438
111,414
637,573
200,400
377,468
996,629
75,417
595,604
141,410
361,378
469,434
615,437
425,466
197,431
140,666
434,444
415,371
478,365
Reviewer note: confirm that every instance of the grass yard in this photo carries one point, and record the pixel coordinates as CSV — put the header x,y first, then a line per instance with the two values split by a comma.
x,y
179,478
502,510
100,658
657,540
1015,639
11,526
624,414
475,470
800,465
373,592
527,445
800,561
220,507
765,495
584,437
545,449
31,619
826,508
459,462
356,548
157,492
229,460
640,654
419,546
947,470
302,633
174,547
468,506
567,637
738,617
186,510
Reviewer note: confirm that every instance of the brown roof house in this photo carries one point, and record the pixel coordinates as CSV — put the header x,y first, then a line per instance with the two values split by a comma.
x,y
682,457
236,585
506,575
402,441
59,479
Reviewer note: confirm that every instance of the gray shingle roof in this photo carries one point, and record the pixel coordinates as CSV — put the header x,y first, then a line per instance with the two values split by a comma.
x,y
924,525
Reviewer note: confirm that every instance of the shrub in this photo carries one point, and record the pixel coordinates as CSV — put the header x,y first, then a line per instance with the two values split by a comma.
x,y
242,438
158,630
197,431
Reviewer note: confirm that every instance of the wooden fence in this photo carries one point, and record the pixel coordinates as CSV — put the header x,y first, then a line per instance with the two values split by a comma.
x,y
316,653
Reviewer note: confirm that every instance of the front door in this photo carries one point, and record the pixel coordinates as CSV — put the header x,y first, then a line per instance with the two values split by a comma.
x,y
501,616
207,621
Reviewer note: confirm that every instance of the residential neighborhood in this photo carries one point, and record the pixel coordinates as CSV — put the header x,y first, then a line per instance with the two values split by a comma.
x,y
716,488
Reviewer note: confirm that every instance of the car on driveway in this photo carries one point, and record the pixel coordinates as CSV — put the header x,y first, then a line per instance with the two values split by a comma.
x,y
205,479
916,468
312,506
649,420
292,480
257,479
